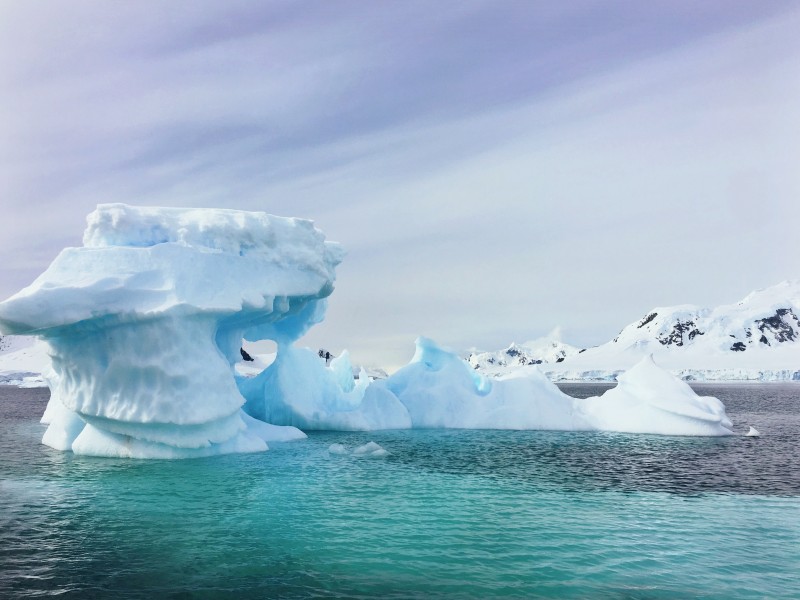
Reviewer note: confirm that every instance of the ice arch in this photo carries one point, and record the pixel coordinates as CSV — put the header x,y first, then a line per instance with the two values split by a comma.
x,y
145,321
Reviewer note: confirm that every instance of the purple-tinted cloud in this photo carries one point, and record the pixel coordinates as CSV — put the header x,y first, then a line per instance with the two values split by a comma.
x,y
523,152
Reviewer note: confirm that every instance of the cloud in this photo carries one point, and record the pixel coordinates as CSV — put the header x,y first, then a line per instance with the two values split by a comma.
x,y
493,169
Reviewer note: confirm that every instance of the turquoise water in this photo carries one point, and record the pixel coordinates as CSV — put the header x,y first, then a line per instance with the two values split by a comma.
x,y
448,514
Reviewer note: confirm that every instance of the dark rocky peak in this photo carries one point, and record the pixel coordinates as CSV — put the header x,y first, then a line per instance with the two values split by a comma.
x,y
681,332
781,325
647,319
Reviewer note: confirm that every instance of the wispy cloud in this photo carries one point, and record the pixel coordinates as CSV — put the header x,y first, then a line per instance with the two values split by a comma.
x,y
494,169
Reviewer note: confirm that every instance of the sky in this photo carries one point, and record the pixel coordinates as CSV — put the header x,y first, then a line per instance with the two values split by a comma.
x,y
494,169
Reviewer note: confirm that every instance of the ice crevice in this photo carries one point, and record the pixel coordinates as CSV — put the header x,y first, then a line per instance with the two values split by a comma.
x,y
145,323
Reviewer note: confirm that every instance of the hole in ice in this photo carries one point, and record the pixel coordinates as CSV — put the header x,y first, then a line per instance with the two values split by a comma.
x,y
262,354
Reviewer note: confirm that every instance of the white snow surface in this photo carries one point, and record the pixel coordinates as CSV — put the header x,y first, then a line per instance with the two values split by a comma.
x,y
145,322
142,262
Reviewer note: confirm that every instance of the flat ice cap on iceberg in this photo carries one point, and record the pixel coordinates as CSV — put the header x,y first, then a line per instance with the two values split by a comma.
x,y
146,319
649,399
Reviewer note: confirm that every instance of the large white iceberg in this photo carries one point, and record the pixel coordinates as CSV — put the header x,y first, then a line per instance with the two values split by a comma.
x,y
649,399
145,323
437,389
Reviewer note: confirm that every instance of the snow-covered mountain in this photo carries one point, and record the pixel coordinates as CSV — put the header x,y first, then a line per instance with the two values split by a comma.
x,y
545,350
764,319
23,359
757,338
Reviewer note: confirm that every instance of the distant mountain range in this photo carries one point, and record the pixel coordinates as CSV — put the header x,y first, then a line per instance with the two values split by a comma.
x,y
22,361
547,350
757,338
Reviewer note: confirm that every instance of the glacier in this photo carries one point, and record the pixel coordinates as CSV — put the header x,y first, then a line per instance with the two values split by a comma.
x,y
754,339
144,324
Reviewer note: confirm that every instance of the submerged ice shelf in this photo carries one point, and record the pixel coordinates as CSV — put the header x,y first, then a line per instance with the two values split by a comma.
x,y
145,322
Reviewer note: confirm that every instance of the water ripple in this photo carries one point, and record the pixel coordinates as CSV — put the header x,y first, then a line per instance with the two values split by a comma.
x,y
448,514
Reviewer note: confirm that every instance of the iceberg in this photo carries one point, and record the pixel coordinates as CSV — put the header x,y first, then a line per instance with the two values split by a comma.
x,y
145,321
441,390
145,324
649,399
437,390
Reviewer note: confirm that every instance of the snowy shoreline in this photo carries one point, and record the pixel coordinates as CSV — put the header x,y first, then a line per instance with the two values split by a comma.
x,y
25,380
689,381
692,376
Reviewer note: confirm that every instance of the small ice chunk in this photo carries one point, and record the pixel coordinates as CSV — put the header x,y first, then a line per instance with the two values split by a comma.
x,y
337,449
752,432
370,449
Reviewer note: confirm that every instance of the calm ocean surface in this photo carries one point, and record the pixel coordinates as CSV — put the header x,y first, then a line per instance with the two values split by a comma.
x,y
448,514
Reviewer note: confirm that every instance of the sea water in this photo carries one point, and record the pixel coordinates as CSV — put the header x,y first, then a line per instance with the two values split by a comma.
x,y
446,514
